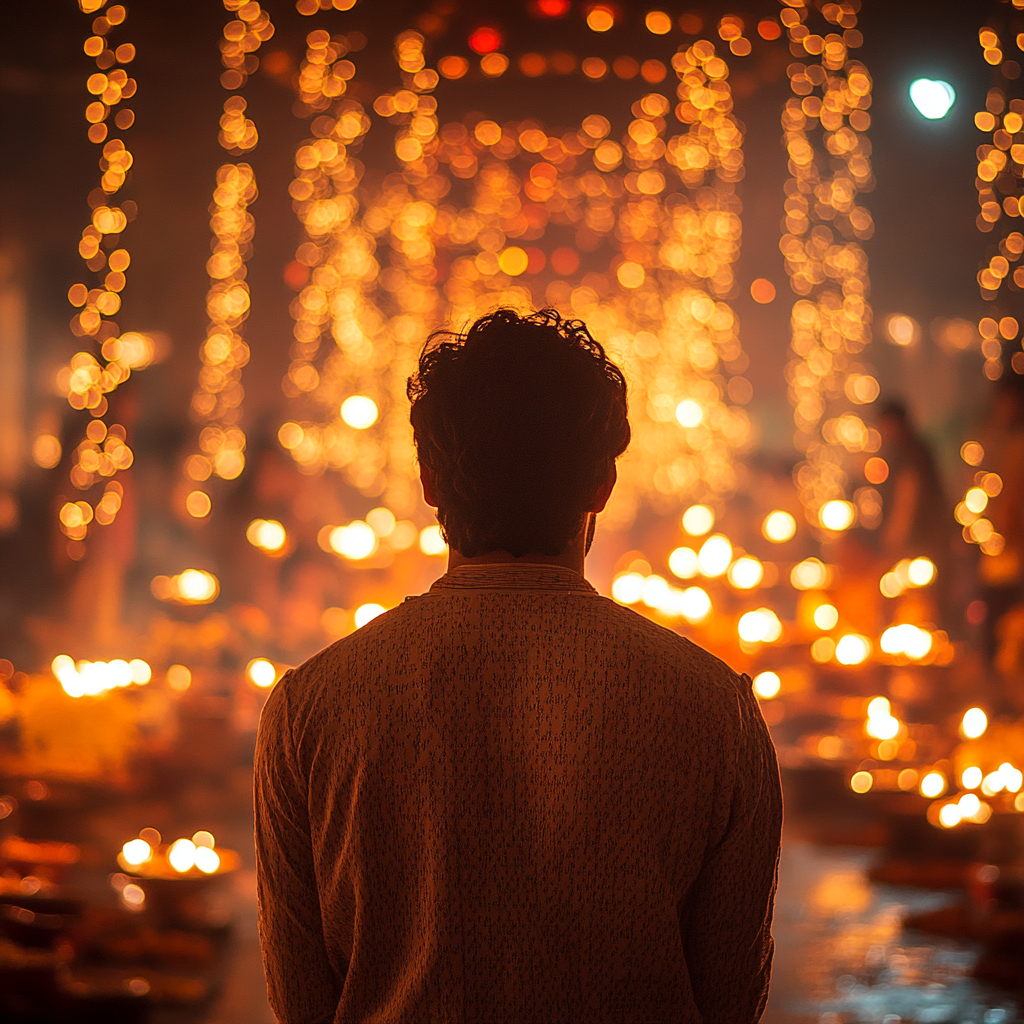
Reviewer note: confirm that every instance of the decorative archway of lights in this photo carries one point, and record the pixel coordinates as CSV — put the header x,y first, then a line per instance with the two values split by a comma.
x,y
472,216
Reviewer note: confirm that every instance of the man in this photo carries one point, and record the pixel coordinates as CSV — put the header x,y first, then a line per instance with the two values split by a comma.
x,y
511,799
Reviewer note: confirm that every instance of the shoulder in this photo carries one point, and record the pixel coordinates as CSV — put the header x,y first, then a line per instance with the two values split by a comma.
x,y
663,645
323,683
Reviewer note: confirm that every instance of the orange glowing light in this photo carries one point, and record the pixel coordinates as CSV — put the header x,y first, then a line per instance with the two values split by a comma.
x,y
876,470
762,291
769,29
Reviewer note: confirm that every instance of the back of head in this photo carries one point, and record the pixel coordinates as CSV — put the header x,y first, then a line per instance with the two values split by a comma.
x,y
518,423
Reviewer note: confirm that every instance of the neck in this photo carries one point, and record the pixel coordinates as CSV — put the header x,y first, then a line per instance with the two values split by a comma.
x,y
571,558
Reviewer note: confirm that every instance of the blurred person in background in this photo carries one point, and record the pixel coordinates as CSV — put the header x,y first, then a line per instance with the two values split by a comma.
x,y
510,798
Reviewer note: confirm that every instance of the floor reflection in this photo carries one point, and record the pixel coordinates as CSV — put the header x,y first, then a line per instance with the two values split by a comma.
x,y
842,956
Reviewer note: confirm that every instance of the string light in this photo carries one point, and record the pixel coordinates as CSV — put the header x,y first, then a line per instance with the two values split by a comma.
x,y
217,401
87,380
1000,166
826,265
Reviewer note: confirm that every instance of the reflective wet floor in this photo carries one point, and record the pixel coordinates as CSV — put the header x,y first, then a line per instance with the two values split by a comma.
x,y
842,956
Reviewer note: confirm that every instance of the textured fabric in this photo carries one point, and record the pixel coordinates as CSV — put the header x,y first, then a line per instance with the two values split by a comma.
x,y
510,799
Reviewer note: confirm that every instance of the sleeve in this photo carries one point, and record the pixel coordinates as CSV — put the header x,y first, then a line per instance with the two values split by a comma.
x,y
301,983
727,914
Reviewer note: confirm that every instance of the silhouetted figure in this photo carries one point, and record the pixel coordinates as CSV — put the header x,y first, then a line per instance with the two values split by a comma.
x,y
511,799
915,514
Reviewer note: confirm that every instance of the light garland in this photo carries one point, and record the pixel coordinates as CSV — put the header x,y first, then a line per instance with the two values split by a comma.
x,y
1000,167
87,380
831,322
664,207
217,401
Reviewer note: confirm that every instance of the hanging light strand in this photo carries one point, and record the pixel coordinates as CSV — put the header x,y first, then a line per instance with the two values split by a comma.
x,y
827,268
92,375
217,401
998,182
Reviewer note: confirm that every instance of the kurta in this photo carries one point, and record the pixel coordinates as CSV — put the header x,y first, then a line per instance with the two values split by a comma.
x,y
512,799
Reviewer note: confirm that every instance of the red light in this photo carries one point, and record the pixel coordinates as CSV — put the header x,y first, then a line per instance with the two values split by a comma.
x,y
485,40
550,8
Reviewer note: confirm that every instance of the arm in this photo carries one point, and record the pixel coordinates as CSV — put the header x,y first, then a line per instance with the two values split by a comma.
x,y
727,914
303,987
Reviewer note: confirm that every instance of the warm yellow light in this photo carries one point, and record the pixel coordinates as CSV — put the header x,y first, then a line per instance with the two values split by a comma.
x,y
658,22
933,784
714,556
950,816
879,707
823,649
359,412
759,626
266,534
367,613
972,453
852,649
883,727
826,616
906,639
969,805
432,541
179,678
694,604
689,413
182,855
810,574
207,859
971,777
746,572
261,672
778,527
767,685
628,587
902,330
683,563
921,572
513,261
355,541
46,451
136,852
600,19
631,275
698,520
141,672
196,586
837,515
382,521
974,723
861,782
198,504
976,500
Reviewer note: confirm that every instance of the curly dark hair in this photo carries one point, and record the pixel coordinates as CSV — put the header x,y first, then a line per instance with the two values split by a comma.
x,y
519,421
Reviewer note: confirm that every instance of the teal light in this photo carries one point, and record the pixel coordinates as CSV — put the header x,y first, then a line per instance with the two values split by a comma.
x,y
933,98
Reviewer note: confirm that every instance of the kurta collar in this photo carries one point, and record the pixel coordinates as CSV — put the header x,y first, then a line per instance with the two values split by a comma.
x,y
512,576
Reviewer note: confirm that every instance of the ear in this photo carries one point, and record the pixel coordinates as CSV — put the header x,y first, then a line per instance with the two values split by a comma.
x,y
429,490
604,492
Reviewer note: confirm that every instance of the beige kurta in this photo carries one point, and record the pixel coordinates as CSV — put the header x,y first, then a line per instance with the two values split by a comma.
x,y
511,799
